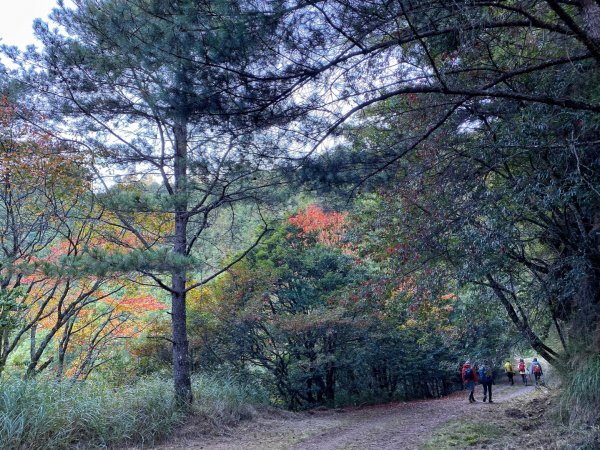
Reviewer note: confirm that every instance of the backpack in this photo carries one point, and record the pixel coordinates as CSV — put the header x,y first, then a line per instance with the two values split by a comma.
x,y
488,373
469,374
537,368
521,367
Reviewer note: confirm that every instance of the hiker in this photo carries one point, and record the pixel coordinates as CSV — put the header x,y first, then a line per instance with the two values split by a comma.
x,y
469,377
508,369
522,371
536,370
486,378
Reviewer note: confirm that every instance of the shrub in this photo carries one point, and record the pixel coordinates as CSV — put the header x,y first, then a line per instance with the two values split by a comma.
x,y
42,414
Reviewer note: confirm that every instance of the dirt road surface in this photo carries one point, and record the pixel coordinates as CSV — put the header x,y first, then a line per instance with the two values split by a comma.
x,y
394,426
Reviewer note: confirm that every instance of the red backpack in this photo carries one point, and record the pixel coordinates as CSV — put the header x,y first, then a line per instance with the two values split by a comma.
x,y
469,375
521,366
536,368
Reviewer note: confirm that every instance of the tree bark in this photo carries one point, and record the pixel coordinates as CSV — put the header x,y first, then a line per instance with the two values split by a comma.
x,y
330,370
32,331
181,363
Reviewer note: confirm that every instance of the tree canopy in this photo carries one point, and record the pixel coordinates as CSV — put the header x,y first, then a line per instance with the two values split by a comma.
x,y
447,152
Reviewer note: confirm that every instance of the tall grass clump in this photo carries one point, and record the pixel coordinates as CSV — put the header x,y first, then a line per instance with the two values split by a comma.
x,y
43,414
581,394
225,400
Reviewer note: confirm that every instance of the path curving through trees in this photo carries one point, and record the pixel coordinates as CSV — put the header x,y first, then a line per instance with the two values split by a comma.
x,y
401,425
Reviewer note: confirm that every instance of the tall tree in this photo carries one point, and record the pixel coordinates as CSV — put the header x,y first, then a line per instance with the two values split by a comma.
x,y
151,87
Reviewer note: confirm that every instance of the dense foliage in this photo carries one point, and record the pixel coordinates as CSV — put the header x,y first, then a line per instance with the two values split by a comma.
x,y
437,163
319,324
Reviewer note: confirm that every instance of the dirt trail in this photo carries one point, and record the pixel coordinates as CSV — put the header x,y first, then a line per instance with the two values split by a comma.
x,y
403,425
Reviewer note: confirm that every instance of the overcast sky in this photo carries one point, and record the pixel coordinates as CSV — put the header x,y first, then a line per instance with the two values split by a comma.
x,y
16,19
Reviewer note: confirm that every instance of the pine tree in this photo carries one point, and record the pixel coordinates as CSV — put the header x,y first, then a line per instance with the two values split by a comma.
x,y
153,88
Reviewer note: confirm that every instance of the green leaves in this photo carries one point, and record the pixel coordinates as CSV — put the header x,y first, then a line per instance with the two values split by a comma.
x,y
10,307
98,261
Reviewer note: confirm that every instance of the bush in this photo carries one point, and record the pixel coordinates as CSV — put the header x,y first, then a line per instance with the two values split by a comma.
x,y
42,414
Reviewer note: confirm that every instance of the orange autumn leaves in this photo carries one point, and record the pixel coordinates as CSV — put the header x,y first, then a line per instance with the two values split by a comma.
x,y
49,219
327,227
141,303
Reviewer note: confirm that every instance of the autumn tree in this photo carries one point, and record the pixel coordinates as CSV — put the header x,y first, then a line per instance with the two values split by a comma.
x,y
494,205
44,217
326,326
487,101
96,336
154,89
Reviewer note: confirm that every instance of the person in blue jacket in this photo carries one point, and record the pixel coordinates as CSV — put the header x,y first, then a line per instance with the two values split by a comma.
x,y
486,378
536,370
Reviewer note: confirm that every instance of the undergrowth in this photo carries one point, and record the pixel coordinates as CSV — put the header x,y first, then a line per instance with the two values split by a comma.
x,y
581,394
43,414
226,401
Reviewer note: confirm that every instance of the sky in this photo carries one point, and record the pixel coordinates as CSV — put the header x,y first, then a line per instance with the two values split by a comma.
x,y
16,20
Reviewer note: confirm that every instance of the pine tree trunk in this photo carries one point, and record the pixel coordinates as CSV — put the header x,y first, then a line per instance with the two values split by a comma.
x,y
181,363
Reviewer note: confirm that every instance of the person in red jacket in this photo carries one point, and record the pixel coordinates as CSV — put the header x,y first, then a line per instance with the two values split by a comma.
x,y
469,377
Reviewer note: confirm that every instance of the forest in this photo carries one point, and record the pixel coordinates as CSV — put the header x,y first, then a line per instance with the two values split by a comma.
x,y
210,208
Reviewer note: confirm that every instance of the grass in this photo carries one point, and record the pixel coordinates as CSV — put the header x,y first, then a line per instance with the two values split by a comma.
x,y
581,394
462,434
226,401
43,414
528,421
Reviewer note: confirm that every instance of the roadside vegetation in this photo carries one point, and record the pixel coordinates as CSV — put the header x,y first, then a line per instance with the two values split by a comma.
x,y
47,414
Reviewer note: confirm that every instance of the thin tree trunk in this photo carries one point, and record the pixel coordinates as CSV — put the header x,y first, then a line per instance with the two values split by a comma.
x,y
63,344
32,331
330,369
5,342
